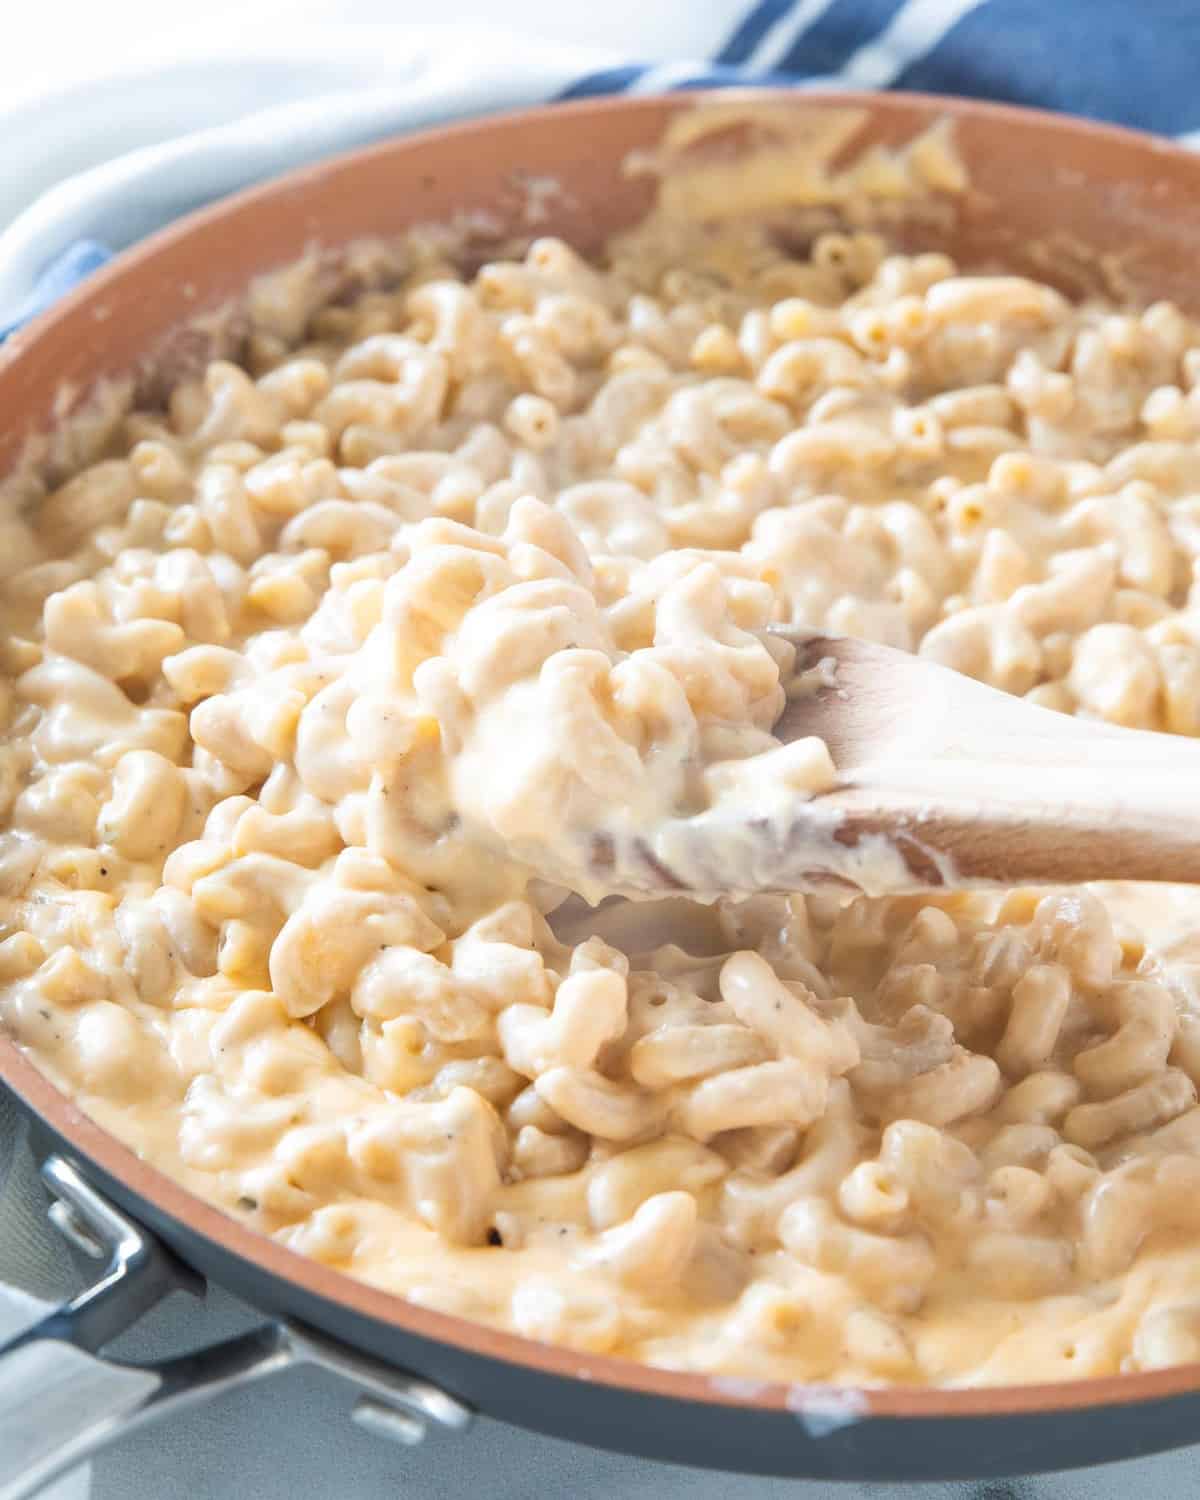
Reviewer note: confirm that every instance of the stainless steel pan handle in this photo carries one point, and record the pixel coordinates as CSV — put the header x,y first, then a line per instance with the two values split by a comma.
x,y
61,1402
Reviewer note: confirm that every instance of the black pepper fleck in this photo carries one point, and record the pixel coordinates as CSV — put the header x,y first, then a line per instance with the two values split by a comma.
x,y
493,1236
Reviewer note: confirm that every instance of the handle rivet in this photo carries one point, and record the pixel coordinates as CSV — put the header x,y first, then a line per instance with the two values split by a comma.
x,y
71,1226
386,1421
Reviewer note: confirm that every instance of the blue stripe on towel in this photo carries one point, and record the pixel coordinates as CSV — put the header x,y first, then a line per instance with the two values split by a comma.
x,y
607,81
746,37
62,275
836,35
1135,64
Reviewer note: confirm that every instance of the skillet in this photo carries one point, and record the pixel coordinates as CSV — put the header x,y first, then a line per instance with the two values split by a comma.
x,y
1057,197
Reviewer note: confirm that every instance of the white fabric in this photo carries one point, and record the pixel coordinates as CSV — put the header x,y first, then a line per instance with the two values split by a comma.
x,y
52,47
334,91
111,156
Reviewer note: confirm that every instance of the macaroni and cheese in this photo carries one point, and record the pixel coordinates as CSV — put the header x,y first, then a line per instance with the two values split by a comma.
x,y
296,675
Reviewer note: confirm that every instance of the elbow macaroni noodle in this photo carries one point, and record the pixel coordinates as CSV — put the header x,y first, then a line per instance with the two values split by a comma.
x,y
499,554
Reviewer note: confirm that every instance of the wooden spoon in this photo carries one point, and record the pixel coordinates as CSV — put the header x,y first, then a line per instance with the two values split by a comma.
x,y
941,781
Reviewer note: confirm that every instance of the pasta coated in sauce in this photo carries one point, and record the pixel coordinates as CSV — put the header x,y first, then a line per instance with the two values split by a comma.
x,y
504,551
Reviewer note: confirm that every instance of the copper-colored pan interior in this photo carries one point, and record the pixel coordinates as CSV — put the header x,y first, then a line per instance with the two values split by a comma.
x,y
1041,186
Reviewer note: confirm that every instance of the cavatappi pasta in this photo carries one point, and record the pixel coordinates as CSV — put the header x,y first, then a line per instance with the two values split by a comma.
x,y
503,550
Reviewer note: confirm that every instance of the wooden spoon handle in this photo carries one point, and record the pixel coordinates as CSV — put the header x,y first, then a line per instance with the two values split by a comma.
x,y
971,784
1128,809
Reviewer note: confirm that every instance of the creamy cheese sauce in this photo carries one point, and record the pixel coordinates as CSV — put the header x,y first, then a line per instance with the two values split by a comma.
x,y
305,675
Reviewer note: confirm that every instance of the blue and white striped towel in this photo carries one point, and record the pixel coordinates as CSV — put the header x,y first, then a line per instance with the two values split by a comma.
x,y
106,162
